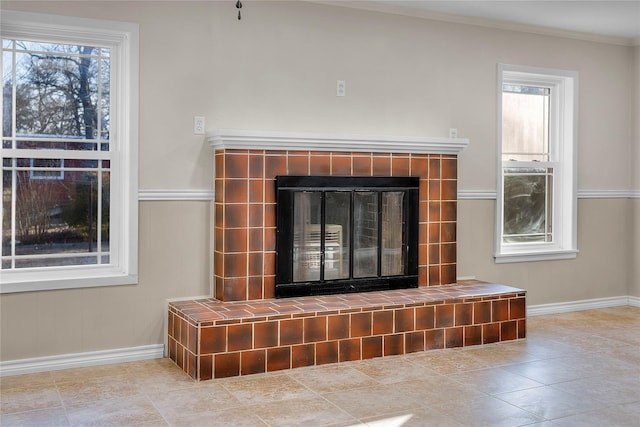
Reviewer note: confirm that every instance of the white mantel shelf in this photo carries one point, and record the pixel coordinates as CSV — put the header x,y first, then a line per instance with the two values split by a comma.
x,y
221,139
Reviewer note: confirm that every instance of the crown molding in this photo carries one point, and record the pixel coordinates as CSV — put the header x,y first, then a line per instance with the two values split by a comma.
x,y
268,140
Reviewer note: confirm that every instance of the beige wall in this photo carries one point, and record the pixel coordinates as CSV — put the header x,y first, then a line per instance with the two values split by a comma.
x,y
276,69
634,288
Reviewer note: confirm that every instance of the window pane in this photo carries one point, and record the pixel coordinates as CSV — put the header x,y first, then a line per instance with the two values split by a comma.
x,y
365,223
338,209
60,222
527,205
58,95
306,240
7,90
392,236
525,125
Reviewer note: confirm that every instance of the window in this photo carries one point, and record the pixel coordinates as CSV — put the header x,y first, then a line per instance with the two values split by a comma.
x,y
537,215
69,152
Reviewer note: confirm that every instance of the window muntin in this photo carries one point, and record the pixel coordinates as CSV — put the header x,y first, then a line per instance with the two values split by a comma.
x,y
69,149
536,215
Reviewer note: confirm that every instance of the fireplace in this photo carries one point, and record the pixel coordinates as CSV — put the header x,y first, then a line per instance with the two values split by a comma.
x,y
340,234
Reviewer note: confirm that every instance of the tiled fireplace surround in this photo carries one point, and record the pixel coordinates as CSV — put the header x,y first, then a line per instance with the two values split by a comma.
x,y
244,330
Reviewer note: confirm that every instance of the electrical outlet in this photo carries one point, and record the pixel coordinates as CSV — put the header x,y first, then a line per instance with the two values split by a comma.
x,y
198,125
453,132
341,88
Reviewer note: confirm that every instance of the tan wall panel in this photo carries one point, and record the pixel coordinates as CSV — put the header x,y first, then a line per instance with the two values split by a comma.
x,y
600,270
174,248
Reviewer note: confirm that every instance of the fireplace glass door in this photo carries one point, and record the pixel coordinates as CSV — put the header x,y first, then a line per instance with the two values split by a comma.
x,y
345,234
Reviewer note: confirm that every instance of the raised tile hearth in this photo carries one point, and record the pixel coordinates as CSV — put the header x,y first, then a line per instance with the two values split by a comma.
x,y
213,339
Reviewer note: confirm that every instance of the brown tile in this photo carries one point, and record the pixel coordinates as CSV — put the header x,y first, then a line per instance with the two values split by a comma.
x,y
303,355
226,365
192,365
255,287
269,287
434,254
256,267
275,165
269,263
448,232
252,362
500,310
448,252
381,165
240,337
449,169
256,191
517,308
340,165
404,320
338,327
423,276
298,165
424,213
434,211
236,190
425,318
326,352
449,211
481,312
448,274
235,240
400,165
490,333
463,314
270,191
434,167
320,164
473,335
291,331
255,239
265,334
315,329
419,165
449,190
393,344
453,337
213,340
508,330
361,324
371,347
184,333
219,164
434,232
278,358
234,289
423,190
236,165
256,165
382,322
206,368
444,315
256,216
180,359
413,342
235,265
434,190
219,215
423,252
434,339
235,215
522,328
361,165
349,350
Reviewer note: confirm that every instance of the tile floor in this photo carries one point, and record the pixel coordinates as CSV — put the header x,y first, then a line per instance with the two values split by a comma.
x,y
574,369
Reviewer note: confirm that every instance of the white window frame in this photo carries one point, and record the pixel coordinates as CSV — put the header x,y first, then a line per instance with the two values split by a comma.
x,y
563,149
122,38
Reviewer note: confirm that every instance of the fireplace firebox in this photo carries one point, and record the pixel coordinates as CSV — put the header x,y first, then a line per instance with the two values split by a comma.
x,y
342,234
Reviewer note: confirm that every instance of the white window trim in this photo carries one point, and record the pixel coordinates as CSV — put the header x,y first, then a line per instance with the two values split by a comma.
x,y
565,200
123,269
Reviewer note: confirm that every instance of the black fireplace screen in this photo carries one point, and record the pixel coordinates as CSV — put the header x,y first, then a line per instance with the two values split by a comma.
x,y
345,234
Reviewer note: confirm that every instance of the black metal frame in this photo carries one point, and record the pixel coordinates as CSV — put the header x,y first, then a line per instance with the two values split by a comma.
x,y
286,186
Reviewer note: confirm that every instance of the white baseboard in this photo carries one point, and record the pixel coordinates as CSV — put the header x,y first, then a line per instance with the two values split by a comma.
x,y
589,304
80,360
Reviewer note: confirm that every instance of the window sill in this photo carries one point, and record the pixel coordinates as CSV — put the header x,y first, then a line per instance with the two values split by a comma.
x,y
552,255
22,284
